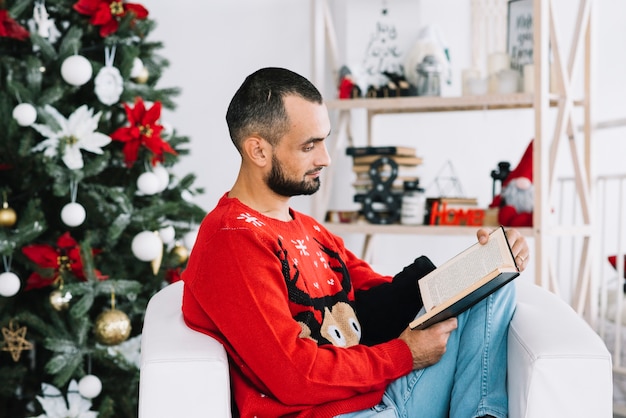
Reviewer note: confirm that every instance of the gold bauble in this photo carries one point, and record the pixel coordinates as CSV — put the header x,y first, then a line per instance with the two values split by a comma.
x,y
112,327
143,76
60,299
181,253
8,217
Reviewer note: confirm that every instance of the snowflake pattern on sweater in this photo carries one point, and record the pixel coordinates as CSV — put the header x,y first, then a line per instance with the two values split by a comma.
x,y
324,309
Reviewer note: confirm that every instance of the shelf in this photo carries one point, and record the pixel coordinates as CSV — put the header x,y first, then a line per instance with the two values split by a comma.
x,y
439,104
553,119
426,230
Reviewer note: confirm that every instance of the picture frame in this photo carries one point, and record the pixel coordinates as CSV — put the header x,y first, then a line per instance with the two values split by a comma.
x,y
520,33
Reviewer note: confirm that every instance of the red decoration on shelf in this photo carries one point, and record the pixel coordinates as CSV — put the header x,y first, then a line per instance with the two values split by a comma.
x,y
613,260
143,130
64,257
107,13
442,215
9,28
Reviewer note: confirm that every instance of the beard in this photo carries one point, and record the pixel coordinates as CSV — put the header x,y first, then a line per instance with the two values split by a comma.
x,y
280,184
520,199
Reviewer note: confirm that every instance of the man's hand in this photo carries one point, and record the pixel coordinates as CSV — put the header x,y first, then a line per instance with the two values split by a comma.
x,y
428,345
518,244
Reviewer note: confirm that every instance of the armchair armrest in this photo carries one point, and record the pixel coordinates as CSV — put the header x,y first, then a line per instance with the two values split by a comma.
x,y
557,365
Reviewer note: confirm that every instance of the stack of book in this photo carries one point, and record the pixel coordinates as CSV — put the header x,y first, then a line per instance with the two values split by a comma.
x,y
363,157
380,175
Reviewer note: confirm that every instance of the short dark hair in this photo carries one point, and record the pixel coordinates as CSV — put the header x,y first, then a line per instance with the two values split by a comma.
x,y
258,106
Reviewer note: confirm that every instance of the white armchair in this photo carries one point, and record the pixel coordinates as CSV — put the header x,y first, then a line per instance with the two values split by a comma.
x,y
558,367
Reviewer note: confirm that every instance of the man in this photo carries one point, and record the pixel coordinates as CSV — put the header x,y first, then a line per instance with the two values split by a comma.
x,y
311,330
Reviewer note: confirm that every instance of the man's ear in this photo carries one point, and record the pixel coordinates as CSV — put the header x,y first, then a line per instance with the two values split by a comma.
x,y
257,150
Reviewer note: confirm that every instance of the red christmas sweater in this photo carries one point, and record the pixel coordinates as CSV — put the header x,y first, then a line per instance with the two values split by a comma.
x,y
280,296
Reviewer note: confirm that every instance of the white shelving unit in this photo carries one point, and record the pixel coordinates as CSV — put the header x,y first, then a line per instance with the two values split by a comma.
x,y
549,137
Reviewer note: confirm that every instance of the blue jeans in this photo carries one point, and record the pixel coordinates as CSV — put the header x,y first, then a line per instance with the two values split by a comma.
x,y
469,380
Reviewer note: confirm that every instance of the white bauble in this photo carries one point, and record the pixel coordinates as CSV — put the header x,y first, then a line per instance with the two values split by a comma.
x,y
137,68
163,175
89,386
147,246
109,85
25,114
9,284
186,196
76,70
73,214
167,234
190,239
148,183
143,76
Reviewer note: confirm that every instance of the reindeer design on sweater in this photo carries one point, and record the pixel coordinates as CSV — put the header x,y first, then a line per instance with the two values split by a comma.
x,y
329,319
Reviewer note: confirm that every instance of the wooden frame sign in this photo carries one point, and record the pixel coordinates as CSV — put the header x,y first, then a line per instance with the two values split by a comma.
x,y
520,33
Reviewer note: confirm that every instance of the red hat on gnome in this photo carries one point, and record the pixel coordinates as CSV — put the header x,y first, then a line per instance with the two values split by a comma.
x,y
516,198
524,169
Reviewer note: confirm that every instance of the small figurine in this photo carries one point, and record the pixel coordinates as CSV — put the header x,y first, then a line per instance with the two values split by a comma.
x,y
516,200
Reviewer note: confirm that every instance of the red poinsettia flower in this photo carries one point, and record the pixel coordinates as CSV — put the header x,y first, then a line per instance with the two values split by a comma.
x,y
64,257
9,28
107,13
144,130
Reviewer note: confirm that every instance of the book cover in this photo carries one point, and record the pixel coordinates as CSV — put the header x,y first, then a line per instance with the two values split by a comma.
x,y
399,159
459,201
365,184
386,171
466,279
381,150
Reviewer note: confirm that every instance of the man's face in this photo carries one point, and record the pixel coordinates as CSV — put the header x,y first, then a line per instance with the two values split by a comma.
x,y
300,156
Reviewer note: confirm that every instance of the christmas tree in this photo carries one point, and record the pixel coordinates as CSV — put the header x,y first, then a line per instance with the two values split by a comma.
x,y
93,221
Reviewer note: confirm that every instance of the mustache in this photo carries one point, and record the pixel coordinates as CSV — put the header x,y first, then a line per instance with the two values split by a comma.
x,y
315,170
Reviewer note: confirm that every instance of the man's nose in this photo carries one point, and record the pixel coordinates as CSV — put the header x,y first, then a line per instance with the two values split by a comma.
x,y
323,157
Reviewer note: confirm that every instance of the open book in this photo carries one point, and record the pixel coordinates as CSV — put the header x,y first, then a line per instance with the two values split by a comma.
x,y
466,279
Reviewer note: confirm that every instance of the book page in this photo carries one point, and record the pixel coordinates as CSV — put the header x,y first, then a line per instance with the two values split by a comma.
x,y
465,269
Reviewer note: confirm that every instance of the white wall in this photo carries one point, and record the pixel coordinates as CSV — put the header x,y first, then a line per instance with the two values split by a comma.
x,y
213,45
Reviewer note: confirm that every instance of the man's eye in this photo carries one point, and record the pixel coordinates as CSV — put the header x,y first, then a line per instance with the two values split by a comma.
x,y
308,148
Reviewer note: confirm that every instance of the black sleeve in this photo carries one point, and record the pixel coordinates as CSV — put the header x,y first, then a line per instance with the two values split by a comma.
x,y
384,311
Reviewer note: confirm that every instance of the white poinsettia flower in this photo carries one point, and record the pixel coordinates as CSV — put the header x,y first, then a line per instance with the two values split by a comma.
x,y
54,404
129,350
76,133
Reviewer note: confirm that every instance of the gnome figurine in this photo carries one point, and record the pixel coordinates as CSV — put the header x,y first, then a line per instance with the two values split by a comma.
x,y
516,198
